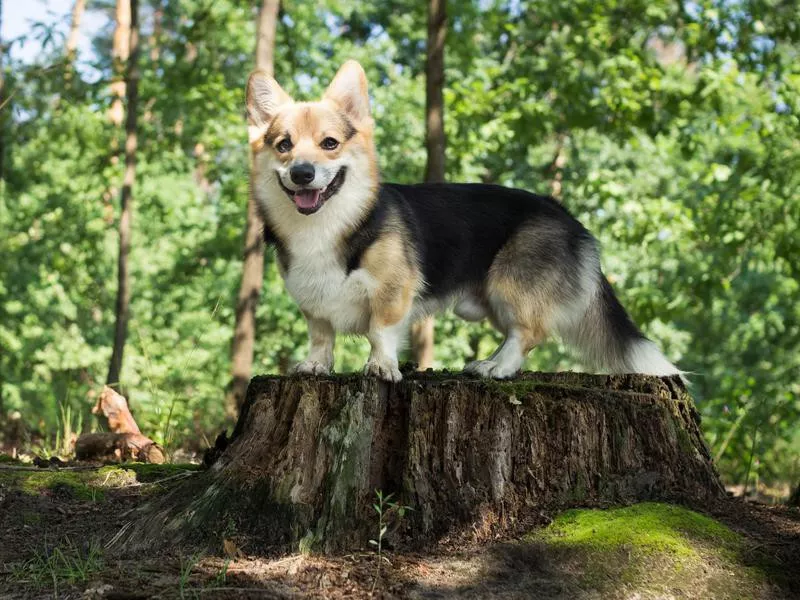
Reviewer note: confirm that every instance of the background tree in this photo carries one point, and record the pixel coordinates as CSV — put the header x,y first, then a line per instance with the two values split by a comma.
x,y
244,331
3,110
120,52
74,32
422,337
127,21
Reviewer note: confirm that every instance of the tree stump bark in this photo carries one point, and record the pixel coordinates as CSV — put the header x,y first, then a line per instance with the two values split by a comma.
x,y
485,457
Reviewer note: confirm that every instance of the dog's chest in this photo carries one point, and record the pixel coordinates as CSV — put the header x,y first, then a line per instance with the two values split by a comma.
x,y
319,283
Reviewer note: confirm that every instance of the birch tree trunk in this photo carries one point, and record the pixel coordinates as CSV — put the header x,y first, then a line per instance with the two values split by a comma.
x,y
244,333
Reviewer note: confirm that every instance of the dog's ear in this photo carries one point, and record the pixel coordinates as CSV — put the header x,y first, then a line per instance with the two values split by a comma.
x,y
264,97
349,90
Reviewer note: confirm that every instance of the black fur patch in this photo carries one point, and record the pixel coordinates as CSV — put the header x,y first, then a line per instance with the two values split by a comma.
x,y
272,239
458,229
622,330
365,235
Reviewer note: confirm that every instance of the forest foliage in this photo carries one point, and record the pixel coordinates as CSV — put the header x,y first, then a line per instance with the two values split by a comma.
x,y
670,128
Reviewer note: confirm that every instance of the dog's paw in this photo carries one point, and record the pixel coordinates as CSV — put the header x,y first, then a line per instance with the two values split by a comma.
x,y
382,370
310,367
489,368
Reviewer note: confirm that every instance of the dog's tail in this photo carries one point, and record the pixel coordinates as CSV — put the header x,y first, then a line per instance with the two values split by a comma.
x,y
608,338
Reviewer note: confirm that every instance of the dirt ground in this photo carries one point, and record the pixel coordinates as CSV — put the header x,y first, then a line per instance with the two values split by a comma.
x,y
56,525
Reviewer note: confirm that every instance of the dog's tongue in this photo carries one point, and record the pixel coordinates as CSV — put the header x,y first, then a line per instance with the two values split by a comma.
x,y
306,198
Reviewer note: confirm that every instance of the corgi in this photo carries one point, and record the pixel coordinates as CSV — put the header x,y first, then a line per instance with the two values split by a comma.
x,y
364,257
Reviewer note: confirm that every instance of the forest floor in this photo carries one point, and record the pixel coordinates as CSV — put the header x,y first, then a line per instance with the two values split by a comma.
x,y
55,525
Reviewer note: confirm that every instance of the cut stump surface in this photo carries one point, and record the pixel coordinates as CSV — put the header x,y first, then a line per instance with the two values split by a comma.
x,y
468,455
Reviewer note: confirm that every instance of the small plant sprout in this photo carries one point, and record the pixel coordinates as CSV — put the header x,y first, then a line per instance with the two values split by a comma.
x,y
222,575
187,566
385,507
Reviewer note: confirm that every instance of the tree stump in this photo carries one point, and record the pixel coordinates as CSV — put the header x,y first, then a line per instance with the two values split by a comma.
x,y
481,456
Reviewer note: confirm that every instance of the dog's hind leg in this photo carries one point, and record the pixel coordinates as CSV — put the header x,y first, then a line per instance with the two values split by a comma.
x,y
507,360
522,289
522,332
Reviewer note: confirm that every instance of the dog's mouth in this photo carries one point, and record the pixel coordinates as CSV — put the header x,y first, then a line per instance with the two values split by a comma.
x,y
309,201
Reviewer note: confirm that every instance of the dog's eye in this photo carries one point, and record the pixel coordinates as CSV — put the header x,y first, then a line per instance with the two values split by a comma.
x,y
284,145
329,144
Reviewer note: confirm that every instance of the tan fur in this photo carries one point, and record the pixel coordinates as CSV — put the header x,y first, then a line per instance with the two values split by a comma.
x,y
397,280
516,302
307,124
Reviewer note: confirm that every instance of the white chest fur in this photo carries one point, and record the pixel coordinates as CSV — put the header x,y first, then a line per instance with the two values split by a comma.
x,y
316,278
320,285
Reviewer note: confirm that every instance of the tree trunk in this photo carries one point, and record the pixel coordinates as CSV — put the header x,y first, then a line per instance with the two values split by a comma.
x,y
157,32
4,110
435,140
422,343
74,33
472,457
555,169
435,144
265,35
244,332
120,53
794,498
126,214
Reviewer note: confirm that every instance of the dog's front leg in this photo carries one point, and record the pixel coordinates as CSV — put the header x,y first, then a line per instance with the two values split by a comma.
x,y
321,338
382,362
392,283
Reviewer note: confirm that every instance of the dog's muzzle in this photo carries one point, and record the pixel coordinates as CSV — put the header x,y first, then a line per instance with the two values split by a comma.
x,y
309,201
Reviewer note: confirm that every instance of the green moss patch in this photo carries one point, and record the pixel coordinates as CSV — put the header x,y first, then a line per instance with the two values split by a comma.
x,y
90,484
649,527
147,473
652,548
68,483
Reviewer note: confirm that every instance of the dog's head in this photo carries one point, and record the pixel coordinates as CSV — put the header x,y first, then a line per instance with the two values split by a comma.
x,y
314,151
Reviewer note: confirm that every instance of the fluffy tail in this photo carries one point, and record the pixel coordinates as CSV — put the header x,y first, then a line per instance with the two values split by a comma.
x,y
608,338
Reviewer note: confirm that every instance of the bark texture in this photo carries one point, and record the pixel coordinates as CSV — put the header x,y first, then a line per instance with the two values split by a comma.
x,y
123,301
244,333
472,457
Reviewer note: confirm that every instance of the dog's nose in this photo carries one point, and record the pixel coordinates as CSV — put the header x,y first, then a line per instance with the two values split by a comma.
x,y
302,173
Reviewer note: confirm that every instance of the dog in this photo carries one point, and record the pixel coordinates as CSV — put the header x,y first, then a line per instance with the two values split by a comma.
x,y
369,258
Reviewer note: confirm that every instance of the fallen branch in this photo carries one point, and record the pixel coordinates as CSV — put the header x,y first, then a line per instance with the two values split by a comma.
x,y
118,447
124,442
